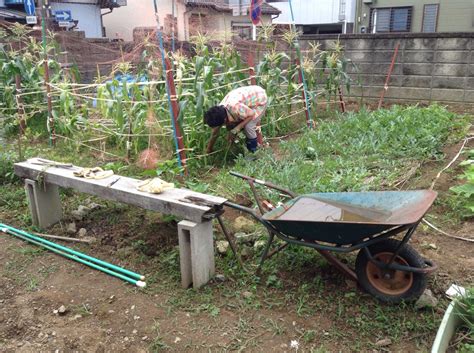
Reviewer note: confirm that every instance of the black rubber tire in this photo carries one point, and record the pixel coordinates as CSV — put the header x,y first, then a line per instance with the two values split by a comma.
x,y
410,255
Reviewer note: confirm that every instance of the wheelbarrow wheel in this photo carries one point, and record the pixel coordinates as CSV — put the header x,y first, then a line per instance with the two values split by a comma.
x,y
393,286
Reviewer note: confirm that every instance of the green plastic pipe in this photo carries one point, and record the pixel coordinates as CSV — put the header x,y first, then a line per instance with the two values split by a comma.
x,y
76,253
75,258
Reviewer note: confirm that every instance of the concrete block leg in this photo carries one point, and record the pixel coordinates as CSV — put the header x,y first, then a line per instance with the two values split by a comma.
x,y
196,253
44,202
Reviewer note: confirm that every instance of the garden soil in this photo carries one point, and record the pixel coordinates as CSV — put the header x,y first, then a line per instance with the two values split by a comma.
x,y
103,314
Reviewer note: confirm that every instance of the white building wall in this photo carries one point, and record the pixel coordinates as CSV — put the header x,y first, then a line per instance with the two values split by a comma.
x,y
138,13
2,3
310,12
87,15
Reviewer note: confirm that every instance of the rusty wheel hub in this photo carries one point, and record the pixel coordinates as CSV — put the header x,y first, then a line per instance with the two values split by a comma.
x,y
390,282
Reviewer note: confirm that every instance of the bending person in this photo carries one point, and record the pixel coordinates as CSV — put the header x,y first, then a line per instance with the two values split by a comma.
x,y
241,108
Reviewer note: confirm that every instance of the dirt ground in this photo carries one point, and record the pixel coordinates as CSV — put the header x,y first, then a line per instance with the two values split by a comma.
x,y
103,314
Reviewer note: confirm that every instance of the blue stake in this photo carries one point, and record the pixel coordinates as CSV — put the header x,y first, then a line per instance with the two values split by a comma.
x,y
170,105
300,57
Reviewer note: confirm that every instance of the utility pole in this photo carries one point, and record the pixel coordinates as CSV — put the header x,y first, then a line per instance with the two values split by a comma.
x,y
43,4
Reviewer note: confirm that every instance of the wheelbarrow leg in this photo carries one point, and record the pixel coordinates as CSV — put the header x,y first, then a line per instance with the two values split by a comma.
x,y
265,252
343,268
231,241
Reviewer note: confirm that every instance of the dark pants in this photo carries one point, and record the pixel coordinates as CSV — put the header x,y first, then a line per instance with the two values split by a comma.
x,y
252,145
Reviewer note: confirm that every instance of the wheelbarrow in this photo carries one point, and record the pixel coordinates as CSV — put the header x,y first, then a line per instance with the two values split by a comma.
x,y
343,222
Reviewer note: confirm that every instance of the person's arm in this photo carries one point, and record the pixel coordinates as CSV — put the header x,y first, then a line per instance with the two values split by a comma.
x,y
242,124
212,140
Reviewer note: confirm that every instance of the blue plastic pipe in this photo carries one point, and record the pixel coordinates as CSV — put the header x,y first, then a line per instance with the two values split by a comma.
x,y
73,252
75,258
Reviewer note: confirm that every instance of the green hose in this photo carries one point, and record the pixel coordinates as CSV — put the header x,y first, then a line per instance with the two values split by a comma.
x,y
72,257
76,253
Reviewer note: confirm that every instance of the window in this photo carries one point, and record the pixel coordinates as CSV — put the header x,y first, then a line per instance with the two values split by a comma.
x,y
390,19
430,18
242,30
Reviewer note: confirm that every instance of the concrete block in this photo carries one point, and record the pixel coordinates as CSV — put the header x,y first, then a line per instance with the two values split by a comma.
x,y
359,56
368,68
385,43
469,83
447,95
417,69
416,81
359,44
448,82
450,69
379,80
452,57
471,70
454,43
420,43
44,203
408,93
410,56
469,96
196,253
385,56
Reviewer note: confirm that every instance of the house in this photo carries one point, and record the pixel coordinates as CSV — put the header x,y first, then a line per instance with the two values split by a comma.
x,y
381,16
318,16
86,15
214,17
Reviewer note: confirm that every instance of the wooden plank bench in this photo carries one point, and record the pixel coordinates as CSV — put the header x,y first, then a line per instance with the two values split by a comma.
x,y
197,210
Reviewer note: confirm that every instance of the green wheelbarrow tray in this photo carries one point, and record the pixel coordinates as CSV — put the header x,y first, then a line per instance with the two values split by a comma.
x,y
343,222
344,218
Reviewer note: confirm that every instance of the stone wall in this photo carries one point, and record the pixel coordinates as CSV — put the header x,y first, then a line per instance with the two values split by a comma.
x,y
429,67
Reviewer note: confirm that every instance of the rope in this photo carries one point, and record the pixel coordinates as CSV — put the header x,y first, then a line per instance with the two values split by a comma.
x,y
450,163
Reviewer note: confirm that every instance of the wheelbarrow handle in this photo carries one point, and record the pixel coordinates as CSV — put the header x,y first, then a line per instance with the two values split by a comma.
x,y
264,183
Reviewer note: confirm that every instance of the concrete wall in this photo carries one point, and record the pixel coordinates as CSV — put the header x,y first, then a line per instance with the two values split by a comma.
x,y
87,15
429,67
453,16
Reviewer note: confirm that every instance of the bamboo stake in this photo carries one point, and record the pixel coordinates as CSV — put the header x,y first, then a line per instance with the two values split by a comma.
x,y
52,136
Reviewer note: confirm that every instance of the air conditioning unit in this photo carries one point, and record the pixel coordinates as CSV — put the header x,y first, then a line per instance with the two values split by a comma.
x,y
368,1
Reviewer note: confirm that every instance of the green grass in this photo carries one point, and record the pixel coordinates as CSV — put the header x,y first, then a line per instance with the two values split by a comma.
x,y
353,152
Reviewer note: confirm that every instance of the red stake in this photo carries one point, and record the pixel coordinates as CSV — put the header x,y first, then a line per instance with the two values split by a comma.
x,y
341,100
385,87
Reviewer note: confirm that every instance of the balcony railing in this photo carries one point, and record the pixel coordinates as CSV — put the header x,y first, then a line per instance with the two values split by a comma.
x,y
14,2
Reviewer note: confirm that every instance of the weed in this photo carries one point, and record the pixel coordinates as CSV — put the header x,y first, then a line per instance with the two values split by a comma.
x,y
32,284
274,327
309,336
466,190
81,309
353,152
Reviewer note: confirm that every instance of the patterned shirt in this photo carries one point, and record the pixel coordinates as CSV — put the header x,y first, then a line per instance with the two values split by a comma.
x,y
245,101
